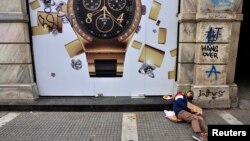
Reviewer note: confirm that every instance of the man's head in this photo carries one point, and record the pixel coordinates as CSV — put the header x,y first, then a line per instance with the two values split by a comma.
x,y
189,95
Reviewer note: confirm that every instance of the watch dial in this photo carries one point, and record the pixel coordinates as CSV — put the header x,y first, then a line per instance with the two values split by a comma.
x,y
117,4
104,18
91,5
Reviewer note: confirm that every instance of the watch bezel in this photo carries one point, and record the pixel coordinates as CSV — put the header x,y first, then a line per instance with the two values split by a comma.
x,y
124,36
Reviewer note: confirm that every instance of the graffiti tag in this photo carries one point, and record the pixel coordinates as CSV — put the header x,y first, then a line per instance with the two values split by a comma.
x,y
222,3
213,71
213,34
210,50
211,94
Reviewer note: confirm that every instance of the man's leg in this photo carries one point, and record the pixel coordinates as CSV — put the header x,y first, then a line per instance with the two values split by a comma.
x,y
190,118
203,125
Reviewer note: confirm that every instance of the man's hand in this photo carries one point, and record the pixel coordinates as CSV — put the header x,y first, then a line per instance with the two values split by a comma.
x,y
198,114
192,111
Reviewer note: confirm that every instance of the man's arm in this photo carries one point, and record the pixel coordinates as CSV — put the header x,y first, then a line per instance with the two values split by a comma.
x,y
183,104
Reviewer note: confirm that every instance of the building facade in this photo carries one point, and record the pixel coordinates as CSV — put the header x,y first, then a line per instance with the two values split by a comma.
x,y
206,55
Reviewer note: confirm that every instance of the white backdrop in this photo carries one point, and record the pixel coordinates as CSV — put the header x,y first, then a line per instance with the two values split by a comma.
x,y
56,77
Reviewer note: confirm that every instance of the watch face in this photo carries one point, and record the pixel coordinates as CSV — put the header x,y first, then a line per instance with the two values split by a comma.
x,y
91,5
104,18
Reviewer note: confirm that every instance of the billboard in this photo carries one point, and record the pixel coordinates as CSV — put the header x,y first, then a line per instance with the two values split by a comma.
x,y
107,47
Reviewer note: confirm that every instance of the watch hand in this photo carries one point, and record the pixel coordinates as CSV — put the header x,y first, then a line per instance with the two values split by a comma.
x,y
103,25
97,11
90,15
104,11
113,18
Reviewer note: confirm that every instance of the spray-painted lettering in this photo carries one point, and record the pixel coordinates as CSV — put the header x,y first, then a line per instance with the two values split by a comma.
x,y
213,71
222,3
208,93
210,50
213,34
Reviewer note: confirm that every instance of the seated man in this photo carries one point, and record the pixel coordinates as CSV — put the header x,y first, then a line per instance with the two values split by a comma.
x,y
182,112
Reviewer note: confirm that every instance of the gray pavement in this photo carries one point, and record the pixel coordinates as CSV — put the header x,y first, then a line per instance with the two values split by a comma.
x,y
2,114
244,94
103,126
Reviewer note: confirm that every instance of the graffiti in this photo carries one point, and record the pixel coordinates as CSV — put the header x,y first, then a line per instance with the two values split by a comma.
x,y
211,94
213,34
213,71
52,20
222,3
51,24
210,50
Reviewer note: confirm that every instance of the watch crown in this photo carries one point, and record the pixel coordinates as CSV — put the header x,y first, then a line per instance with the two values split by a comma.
x,y
138,29
143,9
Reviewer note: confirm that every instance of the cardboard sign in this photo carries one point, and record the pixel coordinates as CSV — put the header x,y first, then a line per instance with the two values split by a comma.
x,y
195,108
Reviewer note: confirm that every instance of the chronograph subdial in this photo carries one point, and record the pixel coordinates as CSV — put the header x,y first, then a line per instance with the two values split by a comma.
x,y
104,23
117,5
91,5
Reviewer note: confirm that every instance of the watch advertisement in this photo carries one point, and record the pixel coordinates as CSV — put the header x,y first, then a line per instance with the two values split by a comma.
x,y
104,47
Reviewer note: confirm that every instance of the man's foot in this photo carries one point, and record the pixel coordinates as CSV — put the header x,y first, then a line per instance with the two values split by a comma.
x,y
204,135
198,137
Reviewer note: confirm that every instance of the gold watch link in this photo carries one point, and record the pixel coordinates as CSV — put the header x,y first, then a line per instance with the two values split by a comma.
x,y
110,55
118,57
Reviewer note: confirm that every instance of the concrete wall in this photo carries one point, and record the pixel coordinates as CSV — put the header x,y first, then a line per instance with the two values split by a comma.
x,y
16,70
208,44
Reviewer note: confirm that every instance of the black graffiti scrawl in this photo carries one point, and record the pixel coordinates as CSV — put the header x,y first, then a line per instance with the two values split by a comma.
x,y
210,50
213,94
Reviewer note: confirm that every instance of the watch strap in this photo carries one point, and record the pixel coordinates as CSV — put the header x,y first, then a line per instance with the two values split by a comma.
x,y
105,64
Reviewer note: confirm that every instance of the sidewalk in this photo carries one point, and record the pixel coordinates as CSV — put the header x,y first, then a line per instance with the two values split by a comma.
x,y
244,94
104,126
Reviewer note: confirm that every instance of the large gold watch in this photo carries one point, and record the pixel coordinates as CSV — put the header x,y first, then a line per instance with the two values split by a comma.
x,y
104,28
